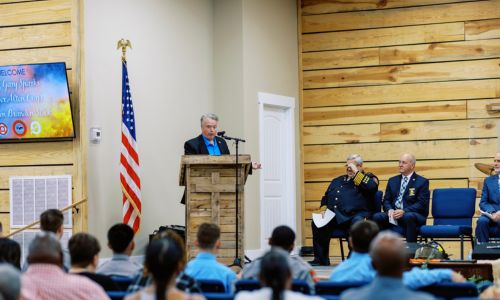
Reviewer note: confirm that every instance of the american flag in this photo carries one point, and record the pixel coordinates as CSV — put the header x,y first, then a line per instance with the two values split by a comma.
x,y
129,159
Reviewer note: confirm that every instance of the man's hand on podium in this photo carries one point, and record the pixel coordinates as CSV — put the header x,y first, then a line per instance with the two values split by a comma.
x,y
256,165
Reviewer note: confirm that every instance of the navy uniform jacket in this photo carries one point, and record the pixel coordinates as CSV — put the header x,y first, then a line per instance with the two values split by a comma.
x,y
415,198
349,198
490,197
198,146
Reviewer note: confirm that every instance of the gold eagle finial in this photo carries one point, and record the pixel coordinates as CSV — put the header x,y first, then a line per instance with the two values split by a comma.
x,y
123,43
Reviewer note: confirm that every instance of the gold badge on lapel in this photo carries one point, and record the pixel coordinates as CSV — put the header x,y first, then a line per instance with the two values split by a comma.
x,y
412,191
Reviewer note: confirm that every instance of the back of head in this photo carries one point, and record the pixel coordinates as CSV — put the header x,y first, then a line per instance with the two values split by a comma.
x,y
275,272
10,282
83,247
283,237
164,259
119,237
361,235
51,220
168,233
45,248
10,252
207,236
389,256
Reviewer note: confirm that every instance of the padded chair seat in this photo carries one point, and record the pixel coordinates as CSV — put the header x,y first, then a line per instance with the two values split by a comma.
x,y
445,231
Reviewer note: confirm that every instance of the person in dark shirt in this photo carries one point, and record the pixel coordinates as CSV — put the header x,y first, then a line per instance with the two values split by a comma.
x,y
352,198
84,250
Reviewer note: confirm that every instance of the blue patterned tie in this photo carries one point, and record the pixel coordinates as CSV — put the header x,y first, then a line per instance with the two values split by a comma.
x,y
399,200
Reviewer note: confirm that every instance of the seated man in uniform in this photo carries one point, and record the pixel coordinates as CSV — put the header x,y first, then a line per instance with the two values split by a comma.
x,y
351,197
490,203
406,200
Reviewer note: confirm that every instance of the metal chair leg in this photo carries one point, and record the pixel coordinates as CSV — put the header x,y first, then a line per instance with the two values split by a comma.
x,y
461,247
341,249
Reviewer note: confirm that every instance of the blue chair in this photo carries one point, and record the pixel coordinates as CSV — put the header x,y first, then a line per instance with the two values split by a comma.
x,y
122,282
218,296
343,234
335,288
451,290
211,286
301,286
116,295
246,285
452,210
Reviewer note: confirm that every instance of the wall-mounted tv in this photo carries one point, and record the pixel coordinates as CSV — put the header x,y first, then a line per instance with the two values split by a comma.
x,y
35,102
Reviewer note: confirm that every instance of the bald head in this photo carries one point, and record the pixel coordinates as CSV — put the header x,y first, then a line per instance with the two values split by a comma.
x,y
388,254
407,164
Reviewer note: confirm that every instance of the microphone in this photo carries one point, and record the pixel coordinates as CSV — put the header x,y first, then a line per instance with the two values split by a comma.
x,y
221,133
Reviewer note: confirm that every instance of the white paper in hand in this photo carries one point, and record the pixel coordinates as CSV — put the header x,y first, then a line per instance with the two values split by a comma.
x,y
320,220
490,216
393,221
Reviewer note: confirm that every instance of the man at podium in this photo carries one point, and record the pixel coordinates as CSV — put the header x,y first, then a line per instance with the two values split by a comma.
x,y
207,142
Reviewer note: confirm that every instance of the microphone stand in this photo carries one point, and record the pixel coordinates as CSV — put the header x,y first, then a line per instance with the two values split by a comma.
x,y
237,260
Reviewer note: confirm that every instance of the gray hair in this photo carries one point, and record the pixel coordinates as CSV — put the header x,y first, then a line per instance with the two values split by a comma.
x,y
208,116
10,282
356,157
412,158
45,248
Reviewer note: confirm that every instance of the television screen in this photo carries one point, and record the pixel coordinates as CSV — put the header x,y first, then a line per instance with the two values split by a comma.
x,y
34,102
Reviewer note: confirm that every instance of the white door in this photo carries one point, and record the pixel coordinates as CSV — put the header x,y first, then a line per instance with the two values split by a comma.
x,y
277,203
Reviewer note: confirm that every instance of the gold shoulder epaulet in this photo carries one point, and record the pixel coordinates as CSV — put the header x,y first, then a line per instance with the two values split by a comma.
x,y
359,177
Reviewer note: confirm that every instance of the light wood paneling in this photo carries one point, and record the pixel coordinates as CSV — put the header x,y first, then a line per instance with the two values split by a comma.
x,y
447,13
4,201
6,172
486,29
341,134
432,169
383,37
313,7
48,153
477,108
439,52
5,220
436,130
37,12
29,56
462,70
48,35
443,110
340,59
415,92
473,148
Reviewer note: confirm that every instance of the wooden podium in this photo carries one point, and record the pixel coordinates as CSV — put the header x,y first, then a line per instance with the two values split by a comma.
x,y
210,183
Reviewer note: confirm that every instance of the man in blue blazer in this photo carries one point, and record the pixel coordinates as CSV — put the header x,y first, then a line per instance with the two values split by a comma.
x,y
490,203
406,201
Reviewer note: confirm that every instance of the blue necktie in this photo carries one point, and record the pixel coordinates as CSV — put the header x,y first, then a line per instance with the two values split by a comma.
x,y
399,200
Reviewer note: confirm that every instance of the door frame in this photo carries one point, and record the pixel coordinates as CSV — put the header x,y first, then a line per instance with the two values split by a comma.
x,y
288,104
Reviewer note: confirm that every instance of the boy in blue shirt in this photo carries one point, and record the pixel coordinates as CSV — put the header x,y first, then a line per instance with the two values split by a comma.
x,y
205,265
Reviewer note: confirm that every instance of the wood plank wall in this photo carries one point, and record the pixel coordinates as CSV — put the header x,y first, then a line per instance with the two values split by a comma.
x,y
38,32
380,78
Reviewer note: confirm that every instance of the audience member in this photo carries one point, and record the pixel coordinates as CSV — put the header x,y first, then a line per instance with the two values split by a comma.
x,y
184,282
359,268
52,220
389,259
351,198
84,250
406,200
488,222
164,261
205,265
10,282
276,279
10,252
121,242
283,238
45,278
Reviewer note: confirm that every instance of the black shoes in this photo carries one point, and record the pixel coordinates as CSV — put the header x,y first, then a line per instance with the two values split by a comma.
x,y
316,263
